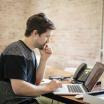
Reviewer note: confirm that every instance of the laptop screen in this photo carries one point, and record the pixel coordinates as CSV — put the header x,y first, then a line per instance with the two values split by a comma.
x,y
95,74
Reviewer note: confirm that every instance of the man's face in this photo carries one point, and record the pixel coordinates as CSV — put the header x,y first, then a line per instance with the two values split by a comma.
x,y
43,39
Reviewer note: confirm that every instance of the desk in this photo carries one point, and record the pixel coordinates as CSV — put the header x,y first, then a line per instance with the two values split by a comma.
x,y
64,99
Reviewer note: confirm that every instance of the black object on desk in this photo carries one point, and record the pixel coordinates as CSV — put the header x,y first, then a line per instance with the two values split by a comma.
x,y
61,78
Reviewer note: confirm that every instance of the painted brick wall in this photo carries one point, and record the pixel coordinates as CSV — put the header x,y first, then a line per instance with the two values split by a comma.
x,y
12,20
77,36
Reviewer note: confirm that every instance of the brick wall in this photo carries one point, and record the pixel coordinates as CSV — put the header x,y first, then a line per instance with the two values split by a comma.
x,y
77,36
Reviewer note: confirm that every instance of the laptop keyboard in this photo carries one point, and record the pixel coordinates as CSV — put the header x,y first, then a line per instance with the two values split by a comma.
x,y
74,88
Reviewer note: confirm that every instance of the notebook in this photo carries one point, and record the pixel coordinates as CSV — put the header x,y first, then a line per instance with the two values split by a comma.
x,y
74,89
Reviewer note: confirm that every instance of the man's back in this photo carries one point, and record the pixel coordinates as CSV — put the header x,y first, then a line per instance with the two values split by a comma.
x,y
16,63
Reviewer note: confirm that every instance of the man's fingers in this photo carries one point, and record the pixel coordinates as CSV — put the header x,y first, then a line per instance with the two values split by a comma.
x,y
48,50
59,84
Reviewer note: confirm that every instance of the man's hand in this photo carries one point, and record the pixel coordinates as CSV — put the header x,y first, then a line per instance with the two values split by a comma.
x,y
53,85
45,52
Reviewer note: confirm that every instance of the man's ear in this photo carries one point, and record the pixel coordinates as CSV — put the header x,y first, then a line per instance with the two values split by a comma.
x,y
35,32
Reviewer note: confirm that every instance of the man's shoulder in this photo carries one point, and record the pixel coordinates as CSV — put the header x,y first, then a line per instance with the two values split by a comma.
x,y
13,49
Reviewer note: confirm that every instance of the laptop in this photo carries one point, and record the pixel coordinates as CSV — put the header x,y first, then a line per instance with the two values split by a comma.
x,y
87,86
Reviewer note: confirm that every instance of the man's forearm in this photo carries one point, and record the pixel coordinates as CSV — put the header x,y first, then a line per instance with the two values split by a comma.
x,y
26,89
40,71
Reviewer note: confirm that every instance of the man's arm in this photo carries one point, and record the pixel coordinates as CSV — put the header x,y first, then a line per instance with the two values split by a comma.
x,y
40,71
45,54
24,88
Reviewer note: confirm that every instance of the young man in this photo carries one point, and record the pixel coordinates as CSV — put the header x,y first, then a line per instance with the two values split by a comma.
x,y
20,75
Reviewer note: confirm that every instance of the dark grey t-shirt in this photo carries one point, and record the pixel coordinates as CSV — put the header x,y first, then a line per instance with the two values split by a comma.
x,y
18,62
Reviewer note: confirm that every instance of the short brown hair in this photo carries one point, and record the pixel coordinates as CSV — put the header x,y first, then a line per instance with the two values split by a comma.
x,y
38,22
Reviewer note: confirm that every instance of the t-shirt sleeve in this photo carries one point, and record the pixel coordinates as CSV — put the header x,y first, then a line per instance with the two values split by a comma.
x,y
14,65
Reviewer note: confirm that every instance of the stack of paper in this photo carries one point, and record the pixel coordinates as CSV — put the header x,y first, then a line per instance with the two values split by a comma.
x,y
94,99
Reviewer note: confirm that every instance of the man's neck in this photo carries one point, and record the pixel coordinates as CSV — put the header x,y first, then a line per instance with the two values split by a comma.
x,y
28,42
